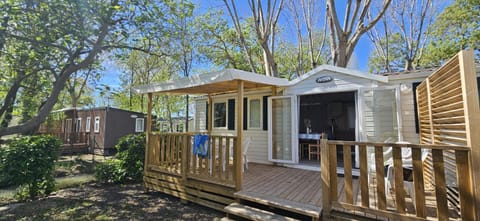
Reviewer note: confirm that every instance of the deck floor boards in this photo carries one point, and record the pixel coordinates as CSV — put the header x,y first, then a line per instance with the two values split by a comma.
x,y
296,185
304,187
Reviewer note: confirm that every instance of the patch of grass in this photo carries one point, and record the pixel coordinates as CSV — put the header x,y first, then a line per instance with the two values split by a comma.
x,y
66,182
67,167
6,195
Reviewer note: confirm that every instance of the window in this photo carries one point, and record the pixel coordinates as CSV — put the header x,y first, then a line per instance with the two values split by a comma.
x,y
414,89
87,124
68,125
164,127
78,124
96,126
139,125
179,127
254,113
220,114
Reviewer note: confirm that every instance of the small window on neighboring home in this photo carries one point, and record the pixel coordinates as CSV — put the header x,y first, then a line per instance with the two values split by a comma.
x,y
220,114
96,126
254,113
78,124
180,127
164,127
139,125
87,124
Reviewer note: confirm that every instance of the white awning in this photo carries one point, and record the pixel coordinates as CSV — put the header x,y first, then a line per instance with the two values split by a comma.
x,y
212,83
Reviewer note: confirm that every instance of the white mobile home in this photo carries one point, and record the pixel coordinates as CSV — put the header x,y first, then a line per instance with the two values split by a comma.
x,y
279,122
343,103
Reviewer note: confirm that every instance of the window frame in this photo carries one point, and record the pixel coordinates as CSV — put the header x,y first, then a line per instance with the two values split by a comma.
x,y
78,124
225,114
96,124
137,130
260,122
68,125
88,123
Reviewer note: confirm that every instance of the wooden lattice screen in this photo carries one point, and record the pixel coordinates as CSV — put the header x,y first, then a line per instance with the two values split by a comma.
x,y
448,114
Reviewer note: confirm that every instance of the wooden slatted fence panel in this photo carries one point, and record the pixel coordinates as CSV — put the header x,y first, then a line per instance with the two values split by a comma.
x,y
445,118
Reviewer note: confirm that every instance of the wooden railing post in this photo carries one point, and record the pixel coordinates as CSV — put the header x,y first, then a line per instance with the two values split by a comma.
x,y
184,160
325,178
418,182
398,177
380,177
440,184
465,187
364,176
238,145
148,131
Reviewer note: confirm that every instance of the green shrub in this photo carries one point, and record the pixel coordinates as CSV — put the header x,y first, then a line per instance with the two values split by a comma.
x,y
110,171
29,162
128,166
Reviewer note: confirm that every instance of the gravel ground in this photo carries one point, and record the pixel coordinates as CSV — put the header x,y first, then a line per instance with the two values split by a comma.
x,y
107,202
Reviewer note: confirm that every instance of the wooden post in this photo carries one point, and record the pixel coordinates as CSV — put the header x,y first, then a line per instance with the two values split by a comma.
x,y
210,120
238,150
364,176
148,131
325,178
472,121
185,150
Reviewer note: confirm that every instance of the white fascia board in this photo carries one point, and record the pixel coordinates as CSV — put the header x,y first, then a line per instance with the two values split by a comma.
x,y
210,78
340,70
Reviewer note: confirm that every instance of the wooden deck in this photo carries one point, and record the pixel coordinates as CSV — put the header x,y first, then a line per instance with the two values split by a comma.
x,y
284,184
300,191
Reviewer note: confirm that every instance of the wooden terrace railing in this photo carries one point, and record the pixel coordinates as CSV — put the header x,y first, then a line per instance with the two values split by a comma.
x,y
172,153
378,205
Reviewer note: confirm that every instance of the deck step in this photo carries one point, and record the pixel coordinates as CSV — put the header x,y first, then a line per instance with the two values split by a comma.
x,y
255,214
287,205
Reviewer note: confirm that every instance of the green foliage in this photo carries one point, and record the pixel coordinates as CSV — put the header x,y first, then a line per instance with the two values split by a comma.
x,y
128,165
110,171
131,152
395,57
457,28
29,162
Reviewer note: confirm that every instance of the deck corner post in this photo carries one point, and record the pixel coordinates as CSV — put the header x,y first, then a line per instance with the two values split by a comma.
x,y
238,150
468,78
147,137
325,178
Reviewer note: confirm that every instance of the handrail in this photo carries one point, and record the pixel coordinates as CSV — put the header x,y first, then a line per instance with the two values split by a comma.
x,y
380,205
172,153
428,146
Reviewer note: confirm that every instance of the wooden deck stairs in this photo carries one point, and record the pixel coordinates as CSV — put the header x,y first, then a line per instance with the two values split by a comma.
x,y
255,206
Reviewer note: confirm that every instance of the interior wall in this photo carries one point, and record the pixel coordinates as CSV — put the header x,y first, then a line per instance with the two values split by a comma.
x,y
332,113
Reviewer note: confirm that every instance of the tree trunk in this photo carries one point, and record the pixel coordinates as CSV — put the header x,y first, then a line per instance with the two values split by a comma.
x,y
58,86
408,64
341,53
269,62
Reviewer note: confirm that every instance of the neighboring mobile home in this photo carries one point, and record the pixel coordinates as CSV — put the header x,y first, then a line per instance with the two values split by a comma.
x,y
98,129
176,124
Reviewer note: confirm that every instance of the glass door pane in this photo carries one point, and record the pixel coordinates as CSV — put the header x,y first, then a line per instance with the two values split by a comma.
x,y
280,143
380,115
